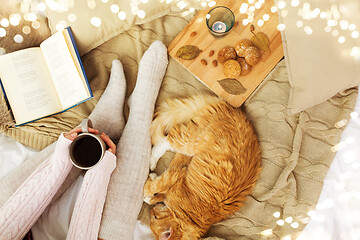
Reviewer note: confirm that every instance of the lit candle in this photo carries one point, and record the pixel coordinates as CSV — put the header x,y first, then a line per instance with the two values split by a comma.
x,y
219,27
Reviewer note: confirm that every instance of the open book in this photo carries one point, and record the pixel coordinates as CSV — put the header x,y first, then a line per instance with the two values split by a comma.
x,y
45,80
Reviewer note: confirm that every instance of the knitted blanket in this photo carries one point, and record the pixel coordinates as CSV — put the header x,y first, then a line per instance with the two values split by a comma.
x,y
296,149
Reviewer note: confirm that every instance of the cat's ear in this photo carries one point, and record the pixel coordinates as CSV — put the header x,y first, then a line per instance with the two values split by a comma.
x,y
166,235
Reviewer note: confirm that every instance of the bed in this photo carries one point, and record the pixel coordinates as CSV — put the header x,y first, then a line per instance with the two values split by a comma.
x,y
298,149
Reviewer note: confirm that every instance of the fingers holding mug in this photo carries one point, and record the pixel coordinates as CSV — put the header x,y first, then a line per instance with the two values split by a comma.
x,y
109,143
74,133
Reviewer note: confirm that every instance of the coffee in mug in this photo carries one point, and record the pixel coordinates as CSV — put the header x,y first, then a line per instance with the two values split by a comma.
x,y
87,149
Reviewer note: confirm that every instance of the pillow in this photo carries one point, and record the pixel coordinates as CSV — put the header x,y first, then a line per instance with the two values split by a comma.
x,y
320,60
94,22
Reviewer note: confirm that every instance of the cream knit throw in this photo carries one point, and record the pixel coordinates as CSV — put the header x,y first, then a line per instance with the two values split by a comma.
x,y
125,192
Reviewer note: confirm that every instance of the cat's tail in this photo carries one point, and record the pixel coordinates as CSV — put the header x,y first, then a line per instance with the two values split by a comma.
x,y
175,111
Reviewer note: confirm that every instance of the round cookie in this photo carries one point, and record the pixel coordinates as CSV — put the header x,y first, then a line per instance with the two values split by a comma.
x,y
252,56
226,53
245,67
232,68
242,46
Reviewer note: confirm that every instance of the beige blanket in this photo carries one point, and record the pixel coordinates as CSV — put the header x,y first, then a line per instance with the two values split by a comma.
x,y
296,149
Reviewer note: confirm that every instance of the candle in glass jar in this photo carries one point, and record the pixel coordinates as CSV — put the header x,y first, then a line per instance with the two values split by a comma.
x,y
219,27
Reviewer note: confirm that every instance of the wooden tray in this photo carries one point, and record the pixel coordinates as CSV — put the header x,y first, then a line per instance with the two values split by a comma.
x,y
209,74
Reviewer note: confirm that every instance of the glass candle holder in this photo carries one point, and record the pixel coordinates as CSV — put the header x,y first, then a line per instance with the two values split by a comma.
x,y
220,21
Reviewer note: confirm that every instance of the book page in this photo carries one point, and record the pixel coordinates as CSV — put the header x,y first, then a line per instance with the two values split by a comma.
x,y
66,78
28,85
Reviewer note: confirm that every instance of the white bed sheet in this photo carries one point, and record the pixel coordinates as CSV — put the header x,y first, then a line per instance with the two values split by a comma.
x,y
335,217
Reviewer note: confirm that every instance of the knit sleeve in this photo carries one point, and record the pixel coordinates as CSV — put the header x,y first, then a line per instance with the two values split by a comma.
x,y
86,218
28,202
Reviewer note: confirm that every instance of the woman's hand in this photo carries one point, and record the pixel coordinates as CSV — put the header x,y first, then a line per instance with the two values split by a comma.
x,y
75,132
109,143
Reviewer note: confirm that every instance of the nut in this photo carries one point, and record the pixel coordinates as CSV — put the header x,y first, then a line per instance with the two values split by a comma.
x,y
193,34
214,63
204,62
252,55
211,53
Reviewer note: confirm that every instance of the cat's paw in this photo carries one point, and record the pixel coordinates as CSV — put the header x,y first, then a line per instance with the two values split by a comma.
x,y
152,176
153,162
147,199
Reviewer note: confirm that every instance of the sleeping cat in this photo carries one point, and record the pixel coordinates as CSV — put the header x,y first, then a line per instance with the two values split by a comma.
x,y
215,167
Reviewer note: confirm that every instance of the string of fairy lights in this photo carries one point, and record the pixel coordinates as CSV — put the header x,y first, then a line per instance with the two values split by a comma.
x,y
334,20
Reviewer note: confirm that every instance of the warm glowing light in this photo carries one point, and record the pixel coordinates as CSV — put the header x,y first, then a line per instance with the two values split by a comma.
x,y
260,22
323,15
251,1
284,13
344,24
250,19
308,30
281,27
15,19
31,17
315,13
4,22
141,14
273,9
243,8
276,214
91,4
115,8
331,23
289,219
72,17
257,5
352,27
2,32
355,34
299,24
18,38
295,3
212,3
294,225
192,10
183,4
266,17
341,123
95,21
280,222
122,15
41,7
287,237
245,22
267,232
105,1
144,1
35,24
355,114
281,4
335,33
251,8
203,4
61,25
327,29
341,39
26,29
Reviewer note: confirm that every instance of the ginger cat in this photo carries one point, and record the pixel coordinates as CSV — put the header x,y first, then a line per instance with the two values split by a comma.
x,y
215,167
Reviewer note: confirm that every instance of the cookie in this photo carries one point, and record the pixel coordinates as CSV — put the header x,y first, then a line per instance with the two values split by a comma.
x,y
241,47
226,53
245,67
252,55
232,69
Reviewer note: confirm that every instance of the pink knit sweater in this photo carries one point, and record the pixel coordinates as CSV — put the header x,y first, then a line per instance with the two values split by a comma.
x,y
29,201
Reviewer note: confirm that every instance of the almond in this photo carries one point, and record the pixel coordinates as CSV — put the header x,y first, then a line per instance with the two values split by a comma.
x,y
193,34
204,62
